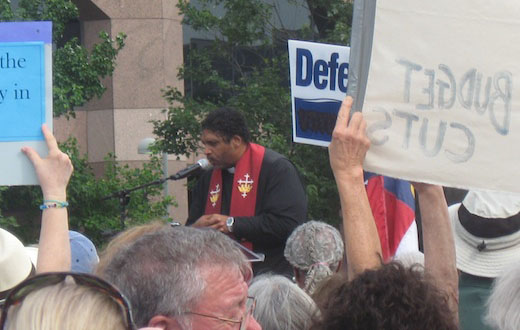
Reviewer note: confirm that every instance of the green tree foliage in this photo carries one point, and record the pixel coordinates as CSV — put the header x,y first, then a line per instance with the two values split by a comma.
x,y
246,67
98,216
77,72
77,78
89,211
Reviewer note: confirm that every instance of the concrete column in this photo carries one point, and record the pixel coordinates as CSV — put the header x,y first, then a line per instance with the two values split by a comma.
x,y
148,63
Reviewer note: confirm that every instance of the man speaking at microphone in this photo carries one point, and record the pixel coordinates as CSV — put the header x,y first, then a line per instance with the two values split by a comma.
x,y
252,193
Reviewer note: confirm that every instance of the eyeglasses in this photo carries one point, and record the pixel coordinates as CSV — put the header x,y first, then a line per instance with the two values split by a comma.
x,y
32,284
250,308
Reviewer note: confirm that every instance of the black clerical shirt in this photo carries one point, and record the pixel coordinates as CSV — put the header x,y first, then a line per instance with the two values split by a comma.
x,y
281,205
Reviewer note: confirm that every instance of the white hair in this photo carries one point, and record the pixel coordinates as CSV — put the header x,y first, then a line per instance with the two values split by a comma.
x,y
504,302
317,249
281,304
411,259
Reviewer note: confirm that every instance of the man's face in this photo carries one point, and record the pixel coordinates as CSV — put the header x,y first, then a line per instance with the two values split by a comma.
x,y
221,154
225,297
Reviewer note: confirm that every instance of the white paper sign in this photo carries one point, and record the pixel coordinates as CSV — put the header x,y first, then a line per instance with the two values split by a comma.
x,y
319,75
443,94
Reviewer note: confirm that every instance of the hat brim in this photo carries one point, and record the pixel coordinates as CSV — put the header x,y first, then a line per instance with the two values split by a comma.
x,y
485,263
15,263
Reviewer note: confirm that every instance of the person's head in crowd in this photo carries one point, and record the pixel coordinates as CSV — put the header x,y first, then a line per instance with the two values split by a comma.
x,y
84,257
315,250
225,136
410,259
184,278
390,297
486,228
62,301
122,239
15,262
281,304
504,302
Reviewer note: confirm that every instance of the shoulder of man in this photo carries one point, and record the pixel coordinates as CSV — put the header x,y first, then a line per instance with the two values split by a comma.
x,y
278,161
272,156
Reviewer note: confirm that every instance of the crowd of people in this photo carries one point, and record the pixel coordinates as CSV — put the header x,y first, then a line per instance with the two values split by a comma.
x,y
206,275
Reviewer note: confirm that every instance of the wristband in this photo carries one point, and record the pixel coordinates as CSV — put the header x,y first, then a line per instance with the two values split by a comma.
x,y
47,204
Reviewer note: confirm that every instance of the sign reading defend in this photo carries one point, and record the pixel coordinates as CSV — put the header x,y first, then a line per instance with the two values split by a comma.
x,y
319,75
25,96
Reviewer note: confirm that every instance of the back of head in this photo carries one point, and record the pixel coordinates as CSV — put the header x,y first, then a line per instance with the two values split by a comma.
x,y
504,301
160,273
281,304
486,230
315,248
390,297
227,122
410,259
66,306
84,257
121,240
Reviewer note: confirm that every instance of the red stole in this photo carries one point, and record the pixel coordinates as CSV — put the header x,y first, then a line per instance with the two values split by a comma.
x,y
245,186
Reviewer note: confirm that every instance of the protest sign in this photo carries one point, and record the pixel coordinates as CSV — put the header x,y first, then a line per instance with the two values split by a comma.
x,y
437,85
319,75
25,96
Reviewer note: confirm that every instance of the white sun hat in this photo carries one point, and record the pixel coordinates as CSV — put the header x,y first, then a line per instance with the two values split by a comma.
x,y
486,228
15,262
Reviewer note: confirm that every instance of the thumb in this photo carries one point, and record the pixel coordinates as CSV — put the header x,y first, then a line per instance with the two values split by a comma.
x,y
32,155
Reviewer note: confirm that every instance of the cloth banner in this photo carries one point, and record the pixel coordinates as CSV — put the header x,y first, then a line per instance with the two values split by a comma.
x,y
441,98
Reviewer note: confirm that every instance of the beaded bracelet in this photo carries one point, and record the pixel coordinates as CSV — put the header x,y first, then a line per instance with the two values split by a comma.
x,y
47,204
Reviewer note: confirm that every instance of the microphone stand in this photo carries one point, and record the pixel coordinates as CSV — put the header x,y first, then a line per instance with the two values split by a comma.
x,y
124,197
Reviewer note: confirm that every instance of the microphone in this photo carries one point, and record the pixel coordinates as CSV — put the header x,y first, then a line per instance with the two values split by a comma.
x,y
201,164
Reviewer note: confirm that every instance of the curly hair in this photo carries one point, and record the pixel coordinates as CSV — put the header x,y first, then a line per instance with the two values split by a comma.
x,y
227,122
390,297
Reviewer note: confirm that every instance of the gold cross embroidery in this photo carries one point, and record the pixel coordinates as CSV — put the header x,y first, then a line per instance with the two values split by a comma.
x,y
245,186
214,194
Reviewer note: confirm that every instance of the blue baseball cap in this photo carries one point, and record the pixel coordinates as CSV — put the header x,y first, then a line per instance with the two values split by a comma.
x,y
84,256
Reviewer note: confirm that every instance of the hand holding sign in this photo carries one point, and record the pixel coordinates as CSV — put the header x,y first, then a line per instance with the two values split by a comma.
x,y
347,152
349,143
25,96
54,171
437,89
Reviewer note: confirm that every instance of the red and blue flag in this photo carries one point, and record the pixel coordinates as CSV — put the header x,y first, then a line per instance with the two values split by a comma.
x,y
393,206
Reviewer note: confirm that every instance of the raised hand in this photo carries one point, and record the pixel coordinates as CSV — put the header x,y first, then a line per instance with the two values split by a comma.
x,y
54,171
349,144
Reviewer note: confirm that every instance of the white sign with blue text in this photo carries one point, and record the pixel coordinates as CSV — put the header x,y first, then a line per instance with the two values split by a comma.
x,y
442,99
319,75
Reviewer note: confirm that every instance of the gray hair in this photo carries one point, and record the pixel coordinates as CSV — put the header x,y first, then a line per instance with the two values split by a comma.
x,y
411,259
281,304
316,248
161,273
504,302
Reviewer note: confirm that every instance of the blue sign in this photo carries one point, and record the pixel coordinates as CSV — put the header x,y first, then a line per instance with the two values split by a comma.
x,y
316,118
22,91
26,31
319,77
